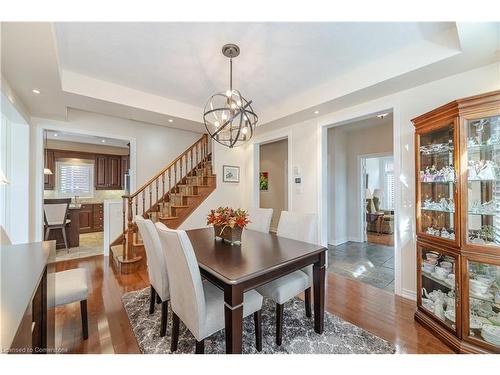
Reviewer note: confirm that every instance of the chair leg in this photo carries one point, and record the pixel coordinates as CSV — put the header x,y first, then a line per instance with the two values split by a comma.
x,y
279,323
85,323
175,332
47,233
307,301
257,319
64,237
158,299
164,318
152,300
200,347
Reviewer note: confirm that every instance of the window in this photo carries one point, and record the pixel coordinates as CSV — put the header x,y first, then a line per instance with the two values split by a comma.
x,y
75,178
389,184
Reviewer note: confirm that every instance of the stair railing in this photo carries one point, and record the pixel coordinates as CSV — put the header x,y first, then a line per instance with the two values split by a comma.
x,y
159,188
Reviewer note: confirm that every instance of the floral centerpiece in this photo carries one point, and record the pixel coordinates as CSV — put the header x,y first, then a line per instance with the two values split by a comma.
x,y
228,223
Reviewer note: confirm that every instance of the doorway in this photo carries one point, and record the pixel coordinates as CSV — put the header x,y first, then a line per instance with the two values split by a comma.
x,y
273,178
84,171
361,217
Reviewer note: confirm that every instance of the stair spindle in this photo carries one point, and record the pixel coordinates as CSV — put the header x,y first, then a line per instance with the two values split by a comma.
x,y
169,183
163,187
143,202
157,182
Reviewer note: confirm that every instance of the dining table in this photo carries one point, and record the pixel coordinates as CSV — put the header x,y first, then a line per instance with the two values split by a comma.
x,y
258,259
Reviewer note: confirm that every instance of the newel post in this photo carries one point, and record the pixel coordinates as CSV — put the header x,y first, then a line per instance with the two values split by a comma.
x,y
128,229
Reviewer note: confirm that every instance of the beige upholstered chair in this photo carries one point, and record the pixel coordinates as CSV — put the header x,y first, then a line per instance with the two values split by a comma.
x,y
199,304
260,219
157,269
71,286
4,237
56,213
300,227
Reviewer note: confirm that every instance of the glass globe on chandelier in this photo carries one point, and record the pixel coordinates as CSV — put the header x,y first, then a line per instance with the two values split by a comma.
x,y
229,118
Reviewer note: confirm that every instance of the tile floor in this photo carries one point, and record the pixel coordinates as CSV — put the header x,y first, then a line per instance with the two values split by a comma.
x,y
366,262
90,244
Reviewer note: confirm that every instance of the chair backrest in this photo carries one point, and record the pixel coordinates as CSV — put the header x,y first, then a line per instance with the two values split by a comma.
x,y
4,237
260,219
157,265
56,210
187,297
298,226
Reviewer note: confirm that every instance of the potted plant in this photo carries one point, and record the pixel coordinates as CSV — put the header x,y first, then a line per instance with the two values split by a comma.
x,y
228,223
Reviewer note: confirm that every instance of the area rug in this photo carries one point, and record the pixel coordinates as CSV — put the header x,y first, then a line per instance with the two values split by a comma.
x,y
339,337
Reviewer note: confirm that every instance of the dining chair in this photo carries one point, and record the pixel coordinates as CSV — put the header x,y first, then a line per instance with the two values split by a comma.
x,y
199,304
71,286
260,219
4,237
300,227
157,269
56,216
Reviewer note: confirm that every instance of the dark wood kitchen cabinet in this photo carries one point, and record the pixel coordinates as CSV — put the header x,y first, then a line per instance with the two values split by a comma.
x,y
91,218
101,171
114,172
108,172
86,218
49,180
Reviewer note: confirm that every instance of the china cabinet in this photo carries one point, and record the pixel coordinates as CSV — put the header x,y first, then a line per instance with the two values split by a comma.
x,y
457,159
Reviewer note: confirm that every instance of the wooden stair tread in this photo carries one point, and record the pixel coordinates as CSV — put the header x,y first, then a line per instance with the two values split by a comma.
x,y
179,206
168,217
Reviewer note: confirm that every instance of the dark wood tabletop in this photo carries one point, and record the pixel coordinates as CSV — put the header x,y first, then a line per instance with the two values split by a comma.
x,y
258,253
261,257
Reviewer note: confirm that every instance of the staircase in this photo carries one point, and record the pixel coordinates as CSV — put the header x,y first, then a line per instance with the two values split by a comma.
x,y
169,197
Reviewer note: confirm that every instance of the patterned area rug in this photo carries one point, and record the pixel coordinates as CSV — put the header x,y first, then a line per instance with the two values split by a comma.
x,y
339,337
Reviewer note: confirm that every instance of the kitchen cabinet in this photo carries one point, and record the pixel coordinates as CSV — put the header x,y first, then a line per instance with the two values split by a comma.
x,y
101,171
50,179
457,156
86,218
108,172
91,218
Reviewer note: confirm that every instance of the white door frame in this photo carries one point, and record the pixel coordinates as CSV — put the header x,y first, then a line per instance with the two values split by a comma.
x,y
361,180
341,118
39,151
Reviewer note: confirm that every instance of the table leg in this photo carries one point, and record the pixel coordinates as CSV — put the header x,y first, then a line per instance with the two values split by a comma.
x,y
319,293
233,312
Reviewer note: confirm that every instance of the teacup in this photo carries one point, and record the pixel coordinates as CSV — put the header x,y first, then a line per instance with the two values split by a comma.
x,y
428,267
487,280
478,287
447,266
497,298
441,272
432,257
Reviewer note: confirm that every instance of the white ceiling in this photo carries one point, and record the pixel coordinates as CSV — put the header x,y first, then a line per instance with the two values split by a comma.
x,y
84,138
156,72
183,61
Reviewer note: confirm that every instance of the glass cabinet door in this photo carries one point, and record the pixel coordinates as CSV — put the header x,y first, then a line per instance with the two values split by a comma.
x,y
484,303
437,183
438,286
483,181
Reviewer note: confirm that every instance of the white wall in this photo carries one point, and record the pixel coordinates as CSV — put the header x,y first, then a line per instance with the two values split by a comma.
x,y
15,163
227,193
308,147
155,146
337,187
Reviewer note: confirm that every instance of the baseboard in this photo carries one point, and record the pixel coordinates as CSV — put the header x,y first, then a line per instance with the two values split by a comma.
x,y
354,239
409,294
337,242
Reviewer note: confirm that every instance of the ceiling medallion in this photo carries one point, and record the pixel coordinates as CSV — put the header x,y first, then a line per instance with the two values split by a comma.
x,y
229,118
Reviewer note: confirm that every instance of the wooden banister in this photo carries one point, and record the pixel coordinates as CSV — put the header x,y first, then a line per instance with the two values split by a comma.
x,y
177,170
204,137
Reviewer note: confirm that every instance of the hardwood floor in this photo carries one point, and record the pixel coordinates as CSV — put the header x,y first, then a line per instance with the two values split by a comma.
x,y
375,310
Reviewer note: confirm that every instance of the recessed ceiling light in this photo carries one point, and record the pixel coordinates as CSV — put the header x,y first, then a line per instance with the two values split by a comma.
x,y
170,120
382,115
56,135
35,91
316,112
103,140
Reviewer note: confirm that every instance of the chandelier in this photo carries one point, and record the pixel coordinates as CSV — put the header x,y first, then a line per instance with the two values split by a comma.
x,y
229,118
